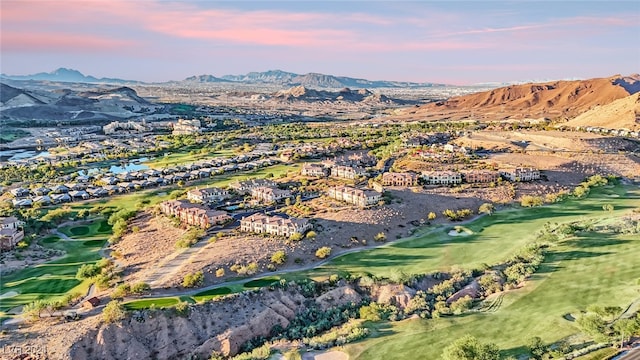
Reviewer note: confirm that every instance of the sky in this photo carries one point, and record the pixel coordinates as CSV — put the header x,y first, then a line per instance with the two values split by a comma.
x,y
455,42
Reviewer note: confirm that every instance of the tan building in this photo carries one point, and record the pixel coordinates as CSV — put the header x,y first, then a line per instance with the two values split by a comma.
x,y
399,179
359,197
347,172
207,195
315,170
269,194
481,176
11,232
244,187
187,127
274,225
442,177
192,214
521,174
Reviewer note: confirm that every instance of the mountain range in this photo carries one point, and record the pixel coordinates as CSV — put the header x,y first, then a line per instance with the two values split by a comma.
x,y
274,77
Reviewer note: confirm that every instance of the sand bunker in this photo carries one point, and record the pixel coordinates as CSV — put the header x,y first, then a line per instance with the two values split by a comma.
x,y
8,294
329,355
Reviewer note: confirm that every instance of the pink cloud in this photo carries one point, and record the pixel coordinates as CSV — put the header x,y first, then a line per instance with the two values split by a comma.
x,y
61,42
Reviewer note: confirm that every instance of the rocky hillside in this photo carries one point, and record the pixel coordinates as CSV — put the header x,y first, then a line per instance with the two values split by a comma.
x,y
620,114
301,93
554,99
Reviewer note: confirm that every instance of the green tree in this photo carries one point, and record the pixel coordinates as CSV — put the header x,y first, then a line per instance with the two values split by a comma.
x,y
537,348
469,348
593,325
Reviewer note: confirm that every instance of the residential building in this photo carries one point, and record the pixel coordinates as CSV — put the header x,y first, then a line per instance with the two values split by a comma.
x,y
347,172
207,195
274,225
11,232
521,174
187,127
351,195
481,176
399,179
314,169
193,214
244,187
269,194
441,177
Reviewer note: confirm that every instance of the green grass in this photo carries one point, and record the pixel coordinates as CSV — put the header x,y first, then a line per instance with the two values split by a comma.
x,y
147,303
55,278
262,282
79,230
177,158
601,354
9,135
590,269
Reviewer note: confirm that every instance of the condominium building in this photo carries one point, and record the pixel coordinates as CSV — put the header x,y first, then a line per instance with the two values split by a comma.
x,y
244,187
207,195
481,176
11,232
347,172
315,170
351,195
193,214
521,174
441,177
274,225
399,179
269,194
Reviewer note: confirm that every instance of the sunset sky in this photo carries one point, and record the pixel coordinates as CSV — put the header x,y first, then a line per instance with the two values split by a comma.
x,y
424,41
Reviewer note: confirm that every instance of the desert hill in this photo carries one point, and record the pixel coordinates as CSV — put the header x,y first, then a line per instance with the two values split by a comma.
x,y
301,93
554,99
620,114
21,107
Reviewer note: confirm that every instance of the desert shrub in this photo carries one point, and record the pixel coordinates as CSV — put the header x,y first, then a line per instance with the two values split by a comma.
x,y
292,354
461,305
220,272
380,237
113,312
193,280
121,291
431,216
279,257
323,252
182,308
531,201
295,237
139,288
311,235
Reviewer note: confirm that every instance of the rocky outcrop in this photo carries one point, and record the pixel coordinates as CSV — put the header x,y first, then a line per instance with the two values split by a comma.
x,y
222,326
393,294
339,296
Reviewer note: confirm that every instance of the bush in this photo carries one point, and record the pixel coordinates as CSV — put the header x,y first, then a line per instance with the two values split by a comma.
x,y
431,216
461,305
295,237
323,252
311,235
113,311
193,280
139,288
292,354
220,272
87,271
182,308
121,291
380,237
531,201
279,257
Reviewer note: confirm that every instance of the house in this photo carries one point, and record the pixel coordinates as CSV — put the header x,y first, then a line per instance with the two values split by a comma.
x,y
521,174
193,214
60,198
11,232
22,202
269,194
40,191
441,177
315,170
274,225
98,192
20,192
42,200
347,172
59,189
207,195
355,196
81,194
399,179
91,302
244,187
481,176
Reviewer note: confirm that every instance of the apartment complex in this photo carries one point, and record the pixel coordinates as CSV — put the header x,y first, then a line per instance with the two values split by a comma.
x,y
315,170
441,177
521,174
11,232
268,194
347,172
207,195
399,179
274,225
481,176
193,214
351,195
245,187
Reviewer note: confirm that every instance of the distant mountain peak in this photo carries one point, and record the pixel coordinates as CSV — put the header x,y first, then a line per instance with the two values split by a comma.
x,y
63,74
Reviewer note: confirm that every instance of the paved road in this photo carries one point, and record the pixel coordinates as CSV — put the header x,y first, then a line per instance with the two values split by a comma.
x,y
633,354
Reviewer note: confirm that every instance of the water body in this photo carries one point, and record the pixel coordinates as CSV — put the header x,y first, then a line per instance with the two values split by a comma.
x,y
13,155
134,165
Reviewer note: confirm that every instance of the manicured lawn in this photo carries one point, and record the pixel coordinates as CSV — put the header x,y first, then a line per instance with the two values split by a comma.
x,y
55,278
177,158
590,269
262,282
147,303
494,239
